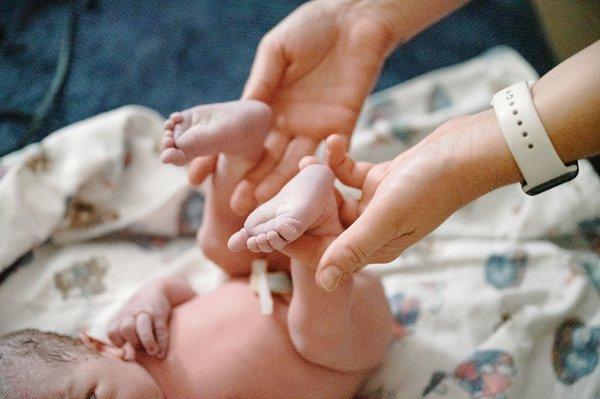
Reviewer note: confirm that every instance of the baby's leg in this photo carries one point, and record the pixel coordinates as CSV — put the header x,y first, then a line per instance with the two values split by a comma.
x,y
347,329
235,131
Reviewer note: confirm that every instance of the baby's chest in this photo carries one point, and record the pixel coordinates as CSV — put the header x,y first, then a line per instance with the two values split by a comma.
x,y
225,348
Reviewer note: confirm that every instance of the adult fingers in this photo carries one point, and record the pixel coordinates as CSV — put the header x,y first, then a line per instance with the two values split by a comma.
x,y
243,200
274,148
286,169
352,249
349,211
267,71
145,332
349,172
307,161
200,168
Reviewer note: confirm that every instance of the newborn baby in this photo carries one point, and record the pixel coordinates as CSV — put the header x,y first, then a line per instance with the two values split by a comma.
x,y
219,345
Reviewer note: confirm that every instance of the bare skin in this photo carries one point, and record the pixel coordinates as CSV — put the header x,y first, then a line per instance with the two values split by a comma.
x,y
307,203
395,209
315,69
315,345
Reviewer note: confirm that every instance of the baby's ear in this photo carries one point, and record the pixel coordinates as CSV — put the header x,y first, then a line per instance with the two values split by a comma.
x,y
126,352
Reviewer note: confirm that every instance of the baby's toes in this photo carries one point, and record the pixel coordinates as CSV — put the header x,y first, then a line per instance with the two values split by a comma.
x,y
169,124
176,117
174,156
252,244
263,243
288,228
168,141
237,241
276,241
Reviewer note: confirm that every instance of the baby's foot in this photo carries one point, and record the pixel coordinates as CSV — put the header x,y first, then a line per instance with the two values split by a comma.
x,y
307,203
236,127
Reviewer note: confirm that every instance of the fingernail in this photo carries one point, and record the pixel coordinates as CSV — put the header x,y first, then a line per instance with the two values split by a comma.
x,y
330,278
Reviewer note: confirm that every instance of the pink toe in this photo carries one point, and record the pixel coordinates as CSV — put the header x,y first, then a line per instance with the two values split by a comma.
x,y
287,231
237,241
252,244
176,117
178,131
169,133
174,156
276,241
263,244
168,142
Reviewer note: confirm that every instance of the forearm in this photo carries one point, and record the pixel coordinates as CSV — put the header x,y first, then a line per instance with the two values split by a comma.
x,y
567,100
406,18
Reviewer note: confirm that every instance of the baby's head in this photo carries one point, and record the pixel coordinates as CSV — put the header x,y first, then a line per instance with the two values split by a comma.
x,y
36,364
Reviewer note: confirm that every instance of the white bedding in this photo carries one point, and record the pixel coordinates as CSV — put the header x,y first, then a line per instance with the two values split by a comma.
x,y
501,301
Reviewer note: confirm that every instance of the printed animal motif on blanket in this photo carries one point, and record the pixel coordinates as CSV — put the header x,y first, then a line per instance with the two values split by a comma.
x,y
39,162
590,230
575,350
82,278
505,270
486,374
439,99
82,214
406,309
592,269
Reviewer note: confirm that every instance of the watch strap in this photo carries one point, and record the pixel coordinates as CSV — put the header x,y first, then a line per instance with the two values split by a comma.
x,y
528,140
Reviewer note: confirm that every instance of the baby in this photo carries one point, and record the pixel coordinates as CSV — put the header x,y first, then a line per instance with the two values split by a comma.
x,y
169,342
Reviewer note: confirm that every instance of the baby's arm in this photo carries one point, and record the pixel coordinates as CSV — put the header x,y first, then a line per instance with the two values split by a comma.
x,y
144,321
346,330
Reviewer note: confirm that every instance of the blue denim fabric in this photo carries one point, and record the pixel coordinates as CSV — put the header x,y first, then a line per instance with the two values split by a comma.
x,y
169,55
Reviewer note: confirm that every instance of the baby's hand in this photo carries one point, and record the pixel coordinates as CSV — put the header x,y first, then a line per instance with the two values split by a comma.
x,y
144,322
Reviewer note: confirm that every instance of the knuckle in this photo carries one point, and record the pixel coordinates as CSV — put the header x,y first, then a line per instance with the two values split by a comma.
x,y
354,255
127,326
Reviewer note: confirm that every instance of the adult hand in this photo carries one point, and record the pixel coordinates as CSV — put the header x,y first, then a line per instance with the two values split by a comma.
x,y
405,199
315,70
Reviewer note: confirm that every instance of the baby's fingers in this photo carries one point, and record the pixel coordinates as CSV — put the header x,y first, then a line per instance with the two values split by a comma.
x,y
114,334
145,332
128,331
161,331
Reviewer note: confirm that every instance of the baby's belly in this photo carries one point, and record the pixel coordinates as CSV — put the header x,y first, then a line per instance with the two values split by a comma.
x,y
222,347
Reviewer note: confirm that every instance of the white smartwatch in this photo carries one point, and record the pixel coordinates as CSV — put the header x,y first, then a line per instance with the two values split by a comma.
x,y
528,140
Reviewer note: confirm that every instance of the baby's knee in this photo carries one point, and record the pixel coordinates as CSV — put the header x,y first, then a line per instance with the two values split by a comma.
x,y
215,250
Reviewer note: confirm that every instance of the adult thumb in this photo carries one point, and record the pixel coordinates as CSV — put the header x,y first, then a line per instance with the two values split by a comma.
x,y
353,248
267,71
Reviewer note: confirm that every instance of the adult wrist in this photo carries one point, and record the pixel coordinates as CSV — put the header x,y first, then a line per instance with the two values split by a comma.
x,y
407,18
486,162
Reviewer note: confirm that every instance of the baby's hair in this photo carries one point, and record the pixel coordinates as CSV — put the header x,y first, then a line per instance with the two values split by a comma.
x,y
48,347
31,351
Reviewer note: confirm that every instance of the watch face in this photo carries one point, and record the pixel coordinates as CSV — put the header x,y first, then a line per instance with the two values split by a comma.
x,y
553,182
